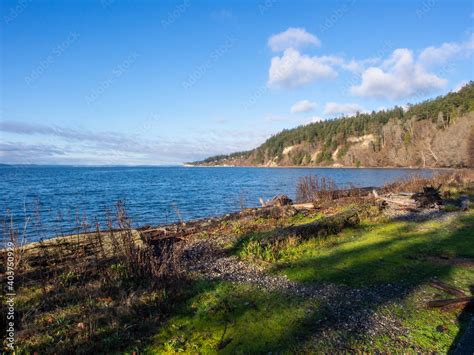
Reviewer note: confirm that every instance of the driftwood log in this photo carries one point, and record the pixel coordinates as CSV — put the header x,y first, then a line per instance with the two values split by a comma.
x,y
319,229
448,288
429,197
461,300
277,201
401,200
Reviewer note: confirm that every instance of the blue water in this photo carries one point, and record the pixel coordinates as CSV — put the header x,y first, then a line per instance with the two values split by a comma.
x,y
56,198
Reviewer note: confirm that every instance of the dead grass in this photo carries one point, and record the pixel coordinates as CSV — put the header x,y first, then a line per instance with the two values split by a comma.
x,y
97,290
324,192
449,181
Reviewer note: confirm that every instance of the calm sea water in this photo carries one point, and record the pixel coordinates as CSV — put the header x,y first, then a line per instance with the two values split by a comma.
x,y
55,198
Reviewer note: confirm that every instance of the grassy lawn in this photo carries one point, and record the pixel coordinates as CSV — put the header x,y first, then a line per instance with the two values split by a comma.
x,y
405,254
402,252
112,311
234,318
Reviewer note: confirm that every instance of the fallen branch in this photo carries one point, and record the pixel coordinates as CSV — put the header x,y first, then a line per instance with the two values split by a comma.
x,y
461,302
320,229
400,201
448,289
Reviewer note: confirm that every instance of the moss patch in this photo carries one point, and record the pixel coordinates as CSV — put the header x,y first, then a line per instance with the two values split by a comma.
x,y
235,319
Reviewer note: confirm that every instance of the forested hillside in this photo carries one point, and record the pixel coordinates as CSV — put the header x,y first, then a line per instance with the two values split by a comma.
x,y
434,133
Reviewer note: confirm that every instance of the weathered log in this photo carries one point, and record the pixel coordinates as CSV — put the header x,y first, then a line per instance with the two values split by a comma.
x,y
448,288
452,303
277,212
400,201
319,229
278,201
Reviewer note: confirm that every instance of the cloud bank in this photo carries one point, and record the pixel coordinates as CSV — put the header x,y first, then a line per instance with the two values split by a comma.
x,y
334,108
402,74
75,146
292,38
303,106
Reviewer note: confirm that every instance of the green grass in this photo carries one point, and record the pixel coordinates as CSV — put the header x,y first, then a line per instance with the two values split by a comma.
x,y
234,318
405,254
68,313
249,247
225,317
301,218
429,329
230,318
402,252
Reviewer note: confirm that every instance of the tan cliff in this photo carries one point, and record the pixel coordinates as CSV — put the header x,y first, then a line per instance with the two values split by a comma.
x,y
432,134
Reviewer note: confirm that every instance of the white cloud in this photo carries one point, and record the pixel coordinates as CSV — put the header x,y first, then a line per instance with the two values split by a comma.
x,y
438,55
431,56
398,77
293,69
334,108
403,75
303,106
292,38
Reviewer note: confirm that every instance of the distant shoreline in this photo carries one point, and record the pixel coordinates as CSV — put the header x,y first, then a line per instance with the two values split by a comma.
x,y
322,167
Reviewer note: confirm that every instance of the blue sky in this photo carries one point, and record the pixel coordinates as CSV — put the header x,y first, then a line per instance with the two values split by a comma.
x,y
163,82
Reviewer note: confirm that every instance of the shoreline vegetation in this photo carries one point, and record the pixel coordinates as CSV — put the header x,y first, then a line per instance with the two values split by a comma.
x,y
338,270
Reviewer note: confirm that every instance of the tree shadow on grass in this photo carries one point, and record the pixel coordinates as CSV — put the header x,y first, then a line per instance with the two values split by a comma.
x,y
249,320
464,343
232,318
229,318
384,271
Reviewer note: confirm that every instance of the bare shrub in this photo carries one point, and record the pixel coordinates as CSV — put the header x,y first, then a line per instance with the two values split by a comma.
x,y
92,250
315,189
14,236
144,258
113,275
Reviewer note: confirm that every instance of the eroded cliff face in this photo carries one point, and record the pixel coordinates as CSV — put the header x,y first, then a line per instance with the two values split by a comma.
x,y
412,143
420,143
